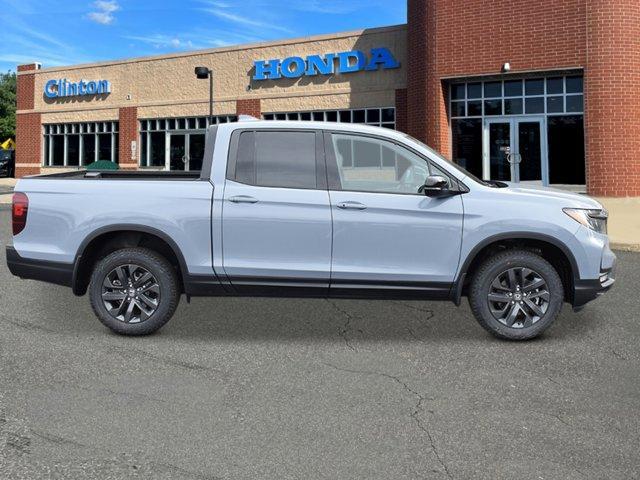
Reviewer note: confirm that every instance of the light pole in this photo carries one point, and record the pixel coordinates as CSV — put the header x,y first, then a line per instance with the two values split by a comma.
x,y
202,73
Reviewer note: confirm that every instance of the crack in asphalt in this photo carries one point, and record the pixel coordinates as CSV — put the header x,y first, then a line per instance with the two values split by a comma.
x,y
429,313
618,355
28,325
423,321
553,415
129,352
415,414
56,439
170,466
343,332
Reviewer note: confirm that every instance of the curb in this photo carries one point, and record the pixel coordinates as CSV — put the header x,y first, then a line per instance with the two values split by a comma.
x,y
625,247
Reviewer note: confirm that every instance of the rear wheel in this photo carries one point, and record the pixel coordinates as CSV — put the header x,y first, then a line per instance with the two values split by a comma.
x,y
134,291
516,295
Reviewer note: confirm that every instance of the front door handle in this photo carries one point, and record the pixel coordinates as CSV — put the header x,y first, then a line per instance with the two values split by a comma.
x,y
243,199
352,206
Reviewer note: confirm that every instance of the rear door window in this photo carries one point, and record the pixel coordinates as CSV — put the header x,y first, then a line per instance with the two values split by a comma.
x,y
277,159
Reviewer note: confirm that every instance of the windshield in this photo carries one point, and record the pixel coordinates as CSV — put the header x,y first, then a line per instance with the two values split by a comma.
x,y
5,154
449,162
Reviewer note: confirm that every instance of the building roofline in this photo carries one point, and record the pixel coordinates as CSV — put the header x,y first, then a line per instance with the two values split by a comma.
x,y
231,48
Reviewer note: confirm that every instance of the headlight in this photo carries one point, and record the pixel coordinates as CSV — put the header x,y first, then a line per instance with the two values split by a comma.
x,y
595,219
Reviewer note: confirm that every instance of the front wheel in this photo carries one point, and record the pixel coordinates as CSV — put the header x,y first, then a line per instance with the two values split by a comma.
x,y
516,295
134,291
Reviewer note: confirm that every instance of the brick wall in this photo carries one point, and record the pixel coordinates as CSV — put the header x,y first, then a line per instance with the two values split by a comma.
x,y
401,109
249,106
473,37
25,89
28,144
128,132
448,38
28,125
612,96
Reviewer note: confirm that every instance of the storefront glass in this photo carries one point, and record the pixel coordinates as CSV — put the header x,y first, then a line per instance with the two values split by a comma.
x,y
378,117
511,129
79,144
175,143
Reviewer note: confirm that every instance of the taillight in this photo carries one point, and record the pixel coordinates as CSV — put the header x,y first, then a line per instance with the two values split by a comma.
x,y
19,212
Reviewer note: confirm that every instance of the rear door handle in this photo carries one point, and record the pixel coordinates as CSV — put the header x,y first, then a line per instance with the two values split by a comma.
x,y
352,206
243,199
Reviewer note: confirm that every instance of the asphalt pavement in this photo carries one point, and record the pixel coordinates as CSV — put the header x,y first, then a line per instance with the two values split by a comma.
x,y
306,389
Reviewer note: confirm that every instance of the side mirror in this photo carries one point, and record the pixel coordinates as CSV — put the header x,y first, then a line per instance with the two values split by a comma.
x,y
435,186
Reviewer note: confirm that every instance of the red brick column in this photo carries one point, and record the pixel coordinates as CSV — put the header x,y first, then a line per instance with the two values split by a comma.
x,y
401,110
612,98
28,125
128,132
248,106
417,69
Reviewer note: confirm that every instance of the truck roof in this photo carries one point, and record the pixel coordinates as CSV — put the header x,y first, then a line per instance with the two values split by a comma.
x,y
310,125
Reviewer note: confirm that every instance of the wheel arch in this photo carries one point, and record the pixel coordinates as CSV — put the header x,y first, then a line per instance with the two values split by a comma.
x,y
550,248
107,239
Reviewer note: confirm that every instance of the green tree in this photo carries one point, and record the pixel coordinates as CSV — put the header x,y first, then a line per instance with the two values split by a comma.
x,y
7,106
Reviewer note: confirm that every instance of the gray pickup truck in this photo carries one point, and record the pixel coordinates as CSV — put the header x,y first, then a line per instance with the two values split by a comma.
x,y
302,209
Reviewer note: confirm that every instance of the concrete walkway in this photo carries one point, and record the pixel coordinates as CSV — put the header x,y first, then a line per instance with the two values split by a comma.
x,y
624,217
624,222
6,189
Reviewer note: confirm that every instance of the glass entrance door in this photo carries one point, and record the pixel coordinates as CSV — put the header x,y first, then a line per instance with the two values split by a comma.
x,y
195,152
514,150
529,150
177,151
186,151
500,141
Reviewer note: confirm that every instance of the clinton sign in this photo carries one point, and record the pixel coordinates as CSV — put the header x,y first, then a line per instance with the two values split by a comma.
x,y
327,64
65,88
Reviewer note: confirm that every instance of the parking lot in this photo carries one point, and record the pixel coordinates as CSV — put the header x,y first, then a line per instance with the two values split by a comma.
x,y
280,389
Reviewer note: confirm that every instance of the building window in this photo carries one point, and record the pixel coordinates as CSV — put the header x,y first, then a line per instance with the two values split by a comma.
x,y
378,117
550,109
549,95
156,133
79,144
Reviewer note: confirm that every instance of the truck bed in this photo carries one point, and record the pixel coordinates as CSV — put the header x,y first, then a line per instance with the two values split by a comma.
x,y
120,175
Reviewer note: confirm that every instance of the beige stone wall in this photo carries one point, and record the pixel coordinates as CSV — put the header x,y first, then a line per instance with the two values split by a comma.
x,y
166,86
99,115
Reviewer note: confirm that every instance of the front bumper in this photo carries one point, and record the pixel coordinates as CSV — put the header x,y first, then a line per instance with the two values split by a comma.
x,y
588,290
42,270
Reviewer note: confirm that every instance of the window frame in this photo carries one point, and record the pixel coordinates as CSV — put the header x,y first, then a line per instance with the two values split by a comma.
x,y
333,176
320,160
169,125
454,103
313,114
83,130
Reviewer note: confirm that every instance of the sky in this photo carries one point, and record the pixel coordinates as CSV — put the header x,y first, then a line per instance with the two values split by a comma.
x,y
58,33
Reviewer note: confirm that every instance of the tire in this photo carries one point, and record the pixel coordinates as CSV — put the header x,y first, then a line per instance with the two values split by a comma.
x,y
513,281
154,298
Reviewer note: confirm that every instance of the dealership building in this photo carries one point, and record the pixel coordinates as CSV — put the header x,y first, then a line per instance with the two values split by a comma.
x,y
545,92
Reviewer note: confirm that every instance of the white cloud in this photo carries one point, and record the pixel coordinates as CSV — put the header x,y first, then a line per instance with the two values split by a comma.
x,y
327,6
158,40
104,10
246,21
